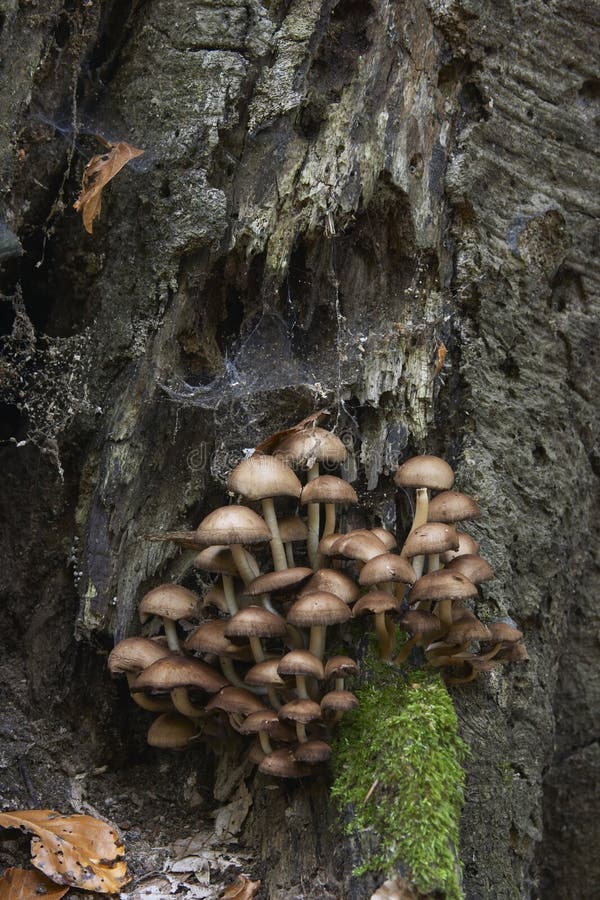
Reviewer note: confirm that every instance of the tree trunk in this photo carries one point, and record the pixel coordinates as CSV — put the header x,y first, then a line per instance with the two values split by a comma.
x,y
385,210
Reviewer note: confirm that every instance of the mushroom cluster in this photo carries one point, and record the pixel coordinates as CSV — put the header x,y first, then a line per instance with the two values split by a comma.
x,y
260,661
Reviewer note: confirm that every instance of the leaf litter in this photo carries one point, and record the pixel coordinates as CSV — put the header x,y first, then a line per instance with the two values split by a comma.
x,y
98,172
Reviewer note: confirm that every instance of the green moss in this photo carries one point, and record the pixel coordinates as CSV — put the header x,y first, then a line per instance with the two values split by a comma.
x,y
401,750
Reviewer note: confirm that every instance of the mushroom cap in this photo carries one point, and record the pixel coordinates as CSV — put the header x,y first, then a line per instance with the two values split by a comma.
x,y
278,581
216,559
387,567
304,448
466,630
452,506
282,764
210,638
303,711
264,674
235,700
215,596
301,662
425,472
313,751
502,632
442,585
292,528
170,731
475,567
233,525
134,654
326,543
255,621
179,671
361,545
466,546
340,667
386,537
261,720
376,602
263,476
433,537
328,489
171,601
340,701
318,608
513,653
333,582
420,622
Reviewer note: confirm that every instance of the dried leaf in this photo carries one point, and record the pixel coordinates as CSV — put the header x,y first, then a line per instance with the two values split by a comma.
x,y
76,850
97,173
268,445
23,884
241,889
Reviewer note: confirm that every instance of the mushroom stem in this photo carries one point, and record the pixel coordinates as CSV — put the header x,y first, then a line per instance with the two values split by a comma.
x,y
433,562
420,518
492,653
276,544
405,650
329,526
301,687
462,679
317,640
293,637
229,591
301,732
233,678
145,701
385,643
314,520
265,743
243,566
183,704
444,612
171,635
289,553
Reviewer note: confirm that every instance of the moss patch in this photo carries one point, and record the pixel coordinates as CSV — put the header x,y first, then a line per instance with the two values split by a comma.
x,y
401,749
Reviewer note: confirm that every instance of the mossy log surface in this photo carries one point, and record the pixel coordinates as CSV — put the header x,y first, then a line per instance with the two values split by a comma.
x,y
332,197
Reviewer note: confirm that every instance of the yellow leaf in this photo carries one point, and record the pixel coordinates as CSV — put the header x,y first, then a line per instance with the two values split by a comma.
x,y
23,884
76,850
97,173
241,889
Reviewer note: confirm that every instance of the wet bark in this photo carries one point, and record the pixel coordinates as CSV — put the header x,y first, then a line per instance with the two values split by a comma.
x,y
332,197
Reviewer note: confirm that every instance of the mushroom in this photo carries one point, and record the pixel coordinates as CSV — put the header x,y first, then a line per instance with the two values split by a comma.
x,y
429,540
338,702
466,545
340,668
282,764
255,623
302,712
219,561
442,587
424,473
312,752
387,569
452,506
175,675
171,602
302,664
292,529
265,723
130,657
473,566
234,526
331,491
424,627
316,611
333,582
379,603
210,638
386,537
171,732
503,635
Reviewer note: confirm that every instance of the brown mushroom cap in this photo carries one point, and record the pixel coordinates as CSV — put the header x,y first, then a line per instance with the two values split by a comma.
x,y
425,472
466,630
134,654
171,601
328,489
303,711
421,623
340,667
210,638
513,653
433,537
385,568
255,621
386,537
235,700
179,671
216,559
442,585
171,732
264,674
262,720
473,566
304,448
502,632
326,543
292,528
260,477
452,506
466,546
340,701
333,582
278,581
233,525
361,545
318,608
301,662
376,602
311,752
282,764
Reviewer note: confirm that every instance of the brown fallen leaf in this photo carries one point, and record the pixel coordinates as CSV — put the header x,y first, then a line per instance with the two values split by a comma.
x,y
23,884
241,889
76,850
97,173
268,445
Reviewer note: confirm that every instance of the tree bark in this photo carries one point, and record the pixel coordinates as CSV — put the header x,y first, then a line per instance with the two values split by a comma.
x,y
388,210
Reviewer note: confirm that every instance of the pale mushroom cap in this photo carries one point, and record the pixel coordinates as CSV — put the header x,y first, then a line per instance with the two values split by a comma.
x,y
473,566
262,476
361,545
386,537
278,581
264,674
210,638
179,671
235,700
326,543
171,601
333,582
171,731
340,701
425,472
281,764
304,448
385,568
433,537
233,525
466,546
442,585
301,662
303,711
255,621
216,559
376,602
313,751
318,608
134,654
452,506
292,528
340,667
328,489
